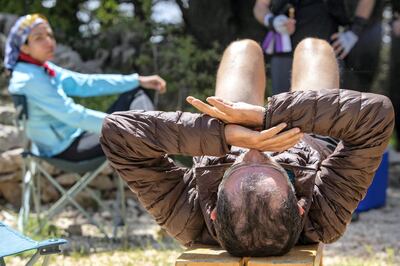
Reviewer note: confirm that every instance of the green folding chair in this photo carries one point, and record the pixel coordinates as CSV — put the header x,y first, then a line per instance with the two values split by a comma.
x,y
12,242
85,172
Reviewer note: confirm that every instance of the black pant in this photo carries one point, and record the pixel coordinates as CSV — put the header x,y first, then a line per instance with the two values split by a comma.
x,y
361,64
87,145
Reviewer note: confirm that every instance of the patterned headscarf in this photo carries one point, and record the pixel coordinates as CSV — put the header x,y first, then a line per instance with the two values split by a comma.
x,y
17,37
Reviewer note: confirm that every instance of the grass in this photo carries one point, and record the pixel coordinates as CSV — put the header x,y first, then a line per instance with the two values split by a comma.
x,y
134,256
152,257
48,230
166,255
148,257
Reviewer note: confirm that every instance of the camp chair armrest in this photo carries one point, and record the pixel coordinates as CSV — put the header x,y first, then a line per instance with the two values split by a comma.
x,y
51,246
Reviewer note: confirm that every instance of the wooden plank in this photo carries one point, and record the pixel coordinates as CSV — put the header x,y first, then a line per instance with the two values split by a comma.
x,y
207,256
309,255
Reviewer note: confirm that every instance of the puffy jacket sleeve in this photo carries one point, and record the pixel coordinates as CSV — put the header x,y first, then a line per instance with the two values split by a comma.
x,y
87,85
138,145
364,123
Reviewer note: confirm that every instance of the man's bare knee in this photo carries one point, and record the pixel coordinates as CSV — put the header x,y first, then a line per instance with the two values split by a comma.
x,y
245,46
241,74
314,46
314,66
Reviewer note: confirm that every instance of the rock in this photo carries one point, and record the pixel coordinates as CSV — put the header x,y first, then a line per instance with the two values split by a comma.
x,y
10,160
116,54
6,22
7,115
48,192
4,96
95,65
86,200
128,55
102,182
53,171
66,57
15,176
130,195
67,179
8,218
3,40
12,192
109,194
74,230
107,170
10,137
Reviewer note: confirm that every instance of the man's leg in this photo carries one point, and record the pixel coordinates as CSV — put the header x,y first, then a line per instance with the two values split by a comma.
x,y
314,66
241,74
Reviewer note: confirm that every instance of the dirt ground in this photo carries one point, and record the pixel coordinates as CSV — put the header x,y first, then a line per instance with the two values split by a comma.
x,y
376,233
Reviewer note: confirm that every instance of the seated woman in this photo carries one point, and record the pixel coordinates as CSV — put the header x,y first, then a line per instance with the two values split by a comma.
x,y
57,126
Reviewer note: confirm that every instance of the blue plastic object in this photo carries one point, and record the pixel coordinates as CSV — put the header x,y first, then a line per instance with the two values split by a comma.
x,y
376,195
12,242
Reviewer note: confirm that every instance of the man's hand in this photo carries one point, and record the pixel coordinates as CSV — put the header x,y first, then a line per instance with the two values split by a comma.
x,y
343,42
232,113
266,140
153,82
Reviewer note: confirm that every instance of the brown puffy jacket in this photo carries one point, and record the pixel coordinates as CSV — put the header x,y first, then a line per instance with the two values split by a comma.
x,y
330,181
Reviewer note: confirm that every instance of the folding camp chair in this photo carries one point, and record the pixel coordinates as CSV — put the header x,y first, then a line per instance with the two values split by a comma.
x,y
13,242
33,171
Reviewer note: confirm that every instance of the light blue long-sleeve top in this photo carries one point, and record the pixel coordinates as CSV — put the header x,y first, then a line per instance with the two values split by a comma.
x,y
54,119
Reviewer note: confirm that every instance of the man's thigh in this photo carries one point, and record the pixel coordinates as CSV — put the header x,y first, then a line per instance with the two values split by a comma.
x,y
314,66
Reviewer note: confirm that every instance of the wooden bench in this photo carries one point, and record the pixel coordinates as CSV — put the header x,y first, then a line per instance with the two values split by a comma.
x,y
310,255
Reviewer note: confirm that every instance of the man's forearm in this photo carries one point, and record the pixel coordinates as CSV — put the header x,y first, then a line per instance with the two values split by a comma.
x,y
137,136
362,120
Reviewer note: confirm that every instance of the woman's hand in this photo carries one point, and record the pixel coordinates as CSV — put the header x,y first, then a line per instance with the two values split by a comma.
x,y
272,139
153,82
232,113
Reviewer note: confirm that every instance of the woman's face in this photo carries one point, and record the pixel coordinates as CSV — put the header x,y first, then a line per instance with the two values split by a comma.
x,y
41,43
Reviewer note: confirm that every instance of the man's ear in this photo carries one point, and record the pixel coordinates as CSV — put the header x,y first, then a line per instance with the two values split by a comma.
x,y
301,210
25,49
213,215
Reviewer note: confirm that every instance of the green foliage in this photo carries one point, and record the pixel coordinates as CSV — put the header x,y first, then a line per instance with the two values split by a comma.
x,y
48,230
13,7
62,17
108,13
188,69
